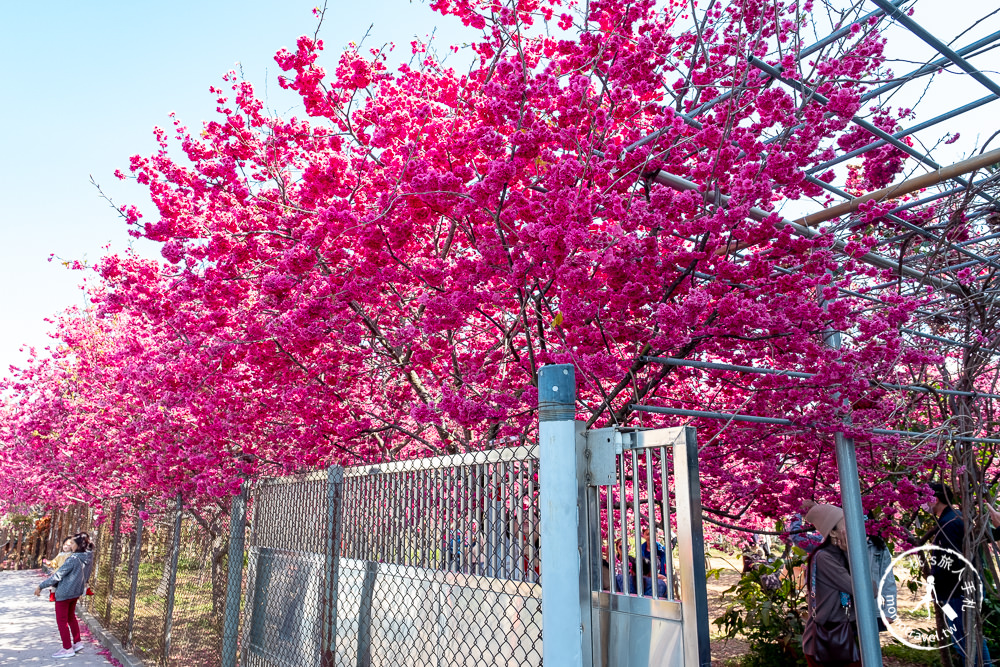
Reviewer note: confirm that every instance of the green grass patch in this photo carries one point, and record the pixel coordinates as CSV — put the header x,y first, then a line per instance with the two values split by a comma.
x,y
911,655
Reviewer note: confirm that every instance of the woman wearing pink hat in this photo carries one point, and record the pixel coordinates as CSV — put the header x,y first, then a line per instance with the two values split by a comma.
x,y
830,635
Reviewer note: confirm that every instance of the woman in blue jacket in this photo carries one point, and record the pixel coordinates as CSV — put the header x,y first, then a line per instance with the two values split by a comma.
x,y
70,582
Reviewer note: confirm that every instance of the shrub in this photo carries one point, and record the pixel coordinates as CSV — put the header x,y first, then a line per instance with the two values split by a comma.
x,y
768,610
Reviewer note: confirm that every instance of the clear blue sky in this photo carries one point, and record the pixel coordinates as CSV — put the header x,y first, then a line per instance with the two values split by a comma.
x,y
85,83
83,86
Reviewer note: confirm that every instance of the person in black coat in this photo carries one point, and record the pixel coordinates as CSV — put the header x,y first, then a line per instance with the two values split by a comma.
x,y
947,585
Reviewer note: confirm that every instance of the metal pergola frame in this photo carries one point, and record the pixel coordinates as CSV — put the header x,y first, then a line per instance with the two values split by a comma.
x,y
915,267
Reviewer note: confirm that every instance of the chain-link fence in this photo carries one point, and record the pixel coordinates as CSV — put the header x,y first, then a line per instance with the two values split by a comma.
x,y
427,562
152,574
200,589
111,581
159,583
291,570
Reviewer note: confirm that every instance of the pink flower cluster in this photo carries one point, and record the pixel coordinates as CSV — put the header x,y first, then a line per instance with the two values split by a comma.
x,y
385,277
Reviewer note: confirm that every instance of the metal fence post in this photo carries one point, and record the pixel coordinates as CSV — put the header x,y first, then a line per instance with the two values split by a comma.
x,y
175,549
234,580
20,549
37,556
563,629
365,614
136,553
116,545
52,535
334,523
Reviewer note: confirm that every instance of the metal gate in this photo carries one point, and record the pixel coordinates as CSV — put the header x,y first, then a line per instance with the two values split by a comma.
x,y
649,606
601,491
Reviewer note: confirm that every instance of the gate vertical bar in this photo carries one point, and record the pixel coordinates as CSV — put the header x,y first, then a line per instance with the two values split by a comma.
x,y
623,513
334,526
637,521
563,595
612,555
175,551
668,539
134,571
234,578
651,522
694,594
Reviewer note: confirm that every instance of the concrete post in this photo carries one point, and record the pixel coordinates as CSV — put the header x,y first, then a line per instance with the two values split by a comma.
x,y
562,619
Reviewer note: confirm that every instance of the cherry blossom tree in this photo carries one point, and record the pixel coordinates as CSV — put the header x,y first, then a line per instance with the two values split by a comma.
x,y
383,276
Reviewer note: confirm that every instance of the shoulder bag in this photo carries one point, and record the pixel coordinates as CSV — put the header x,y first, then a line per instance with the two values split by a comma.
x,y
831,641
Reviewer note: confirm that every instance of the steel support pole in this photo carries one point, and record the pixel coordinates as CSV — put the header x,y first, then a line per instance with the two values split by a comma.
x,y
563,631
857,552
234,580
857,539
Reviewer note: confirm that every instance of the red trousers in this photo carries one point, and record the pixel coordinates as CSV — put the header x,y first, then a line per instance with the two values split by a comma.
x,y
66,620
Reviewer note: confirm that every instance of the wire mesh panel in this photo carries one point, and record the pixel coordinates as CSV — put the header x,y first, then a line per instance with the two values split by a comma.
x,y
154,574
118,580
428,562
200,589
107,562
289,571
439,562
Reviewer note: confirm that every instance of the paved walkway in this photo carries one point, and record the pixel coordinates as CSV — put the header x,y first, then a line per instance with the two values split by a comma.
x,y
28,634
